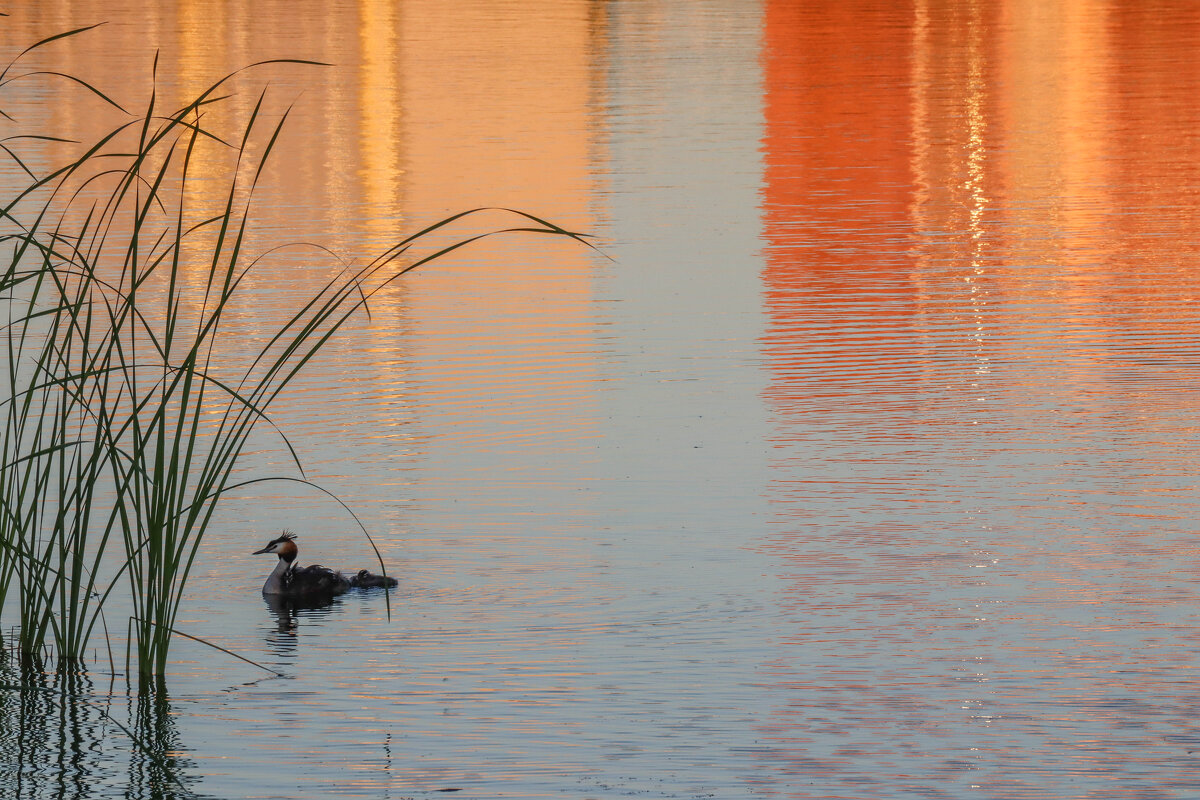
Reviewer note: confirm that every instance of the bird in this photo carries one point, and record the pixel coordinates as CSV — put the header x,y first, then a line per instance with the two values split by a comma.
x,y
289,579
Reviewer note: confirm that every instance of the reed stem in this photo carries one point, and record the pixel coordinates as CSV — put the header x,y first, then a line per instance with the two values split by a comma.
x,y
121,429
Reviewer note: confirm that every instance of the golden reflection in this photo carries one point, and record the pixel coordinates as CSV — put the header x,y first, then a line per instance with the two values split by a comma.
x,y
197,54
381,106
421,115
1054,118
503,120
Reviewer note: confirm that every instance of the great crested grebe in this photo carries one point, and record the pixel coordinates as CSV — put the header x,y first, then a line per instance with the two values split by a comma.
x,y
289,579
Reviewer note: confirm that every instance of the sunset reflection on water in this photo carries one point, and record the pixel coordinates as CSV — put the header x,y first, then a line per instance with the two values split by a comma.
x,y
982,347
860,462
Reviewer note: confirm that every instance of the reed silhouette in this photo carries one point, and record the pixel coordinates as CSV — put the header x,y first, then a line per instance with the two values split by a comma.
x,y
122,430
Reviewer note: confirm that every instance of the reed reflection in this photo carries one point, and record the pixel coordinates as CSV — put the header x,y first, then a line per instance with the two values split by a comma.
x,y
157,767
63,737
45,733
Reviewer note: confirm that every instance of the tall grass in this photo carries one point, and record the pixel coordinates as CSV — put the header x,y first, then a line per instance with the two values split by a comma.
x,y
123,430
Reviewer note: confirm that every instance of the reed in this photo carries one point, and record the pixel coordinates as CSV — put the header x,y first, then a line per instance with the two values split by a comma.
x,y
38,455
123,431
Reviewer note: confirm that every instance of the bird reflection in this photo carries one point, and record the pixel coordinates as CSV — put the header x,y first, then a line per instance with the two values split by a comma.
x,y
289,612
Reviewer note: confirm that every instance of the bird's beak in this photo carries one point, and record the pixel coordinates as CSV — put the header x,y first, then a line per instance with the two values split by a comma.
x,y
266,549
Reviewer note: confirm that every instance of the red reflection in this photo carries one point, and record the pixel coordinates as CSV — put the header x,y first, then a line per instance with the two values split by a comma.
x,y
838,175
976,214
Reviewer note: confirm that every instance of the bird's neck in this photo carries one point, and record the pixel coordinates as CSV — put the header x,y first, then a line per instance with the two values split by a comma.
x,y
274,584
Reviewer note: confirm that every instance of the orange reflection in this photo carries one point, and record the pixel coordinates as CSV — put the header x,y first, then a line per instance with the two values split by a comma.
x,y
837,183
423,113
938,176
503,120
380,112
1154,154
980,287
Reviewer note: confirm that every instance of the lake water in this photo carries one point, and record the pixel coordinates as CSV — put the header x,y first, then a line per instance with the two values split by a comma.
x,y
862,463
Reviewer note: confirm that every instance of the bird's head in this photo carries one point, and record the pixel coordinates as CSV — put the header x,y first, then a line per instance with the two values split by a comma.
x,y
284,547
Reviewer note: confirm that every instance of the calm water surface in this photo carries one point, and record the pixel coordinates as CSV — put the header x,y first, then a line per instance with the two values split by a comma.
x,y
864,469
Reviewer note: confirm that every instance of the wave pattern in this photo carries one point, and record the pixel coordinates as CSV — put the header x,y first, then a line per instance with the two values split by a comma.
x,y
982,350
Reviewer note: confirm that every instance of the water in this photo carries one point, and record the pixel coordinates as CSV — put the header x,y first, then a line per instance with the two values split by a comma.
x,y
865,468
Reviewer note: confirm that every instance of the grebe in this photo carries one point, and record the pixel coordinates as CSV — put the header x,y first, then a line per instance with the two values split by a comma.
x,y
289,579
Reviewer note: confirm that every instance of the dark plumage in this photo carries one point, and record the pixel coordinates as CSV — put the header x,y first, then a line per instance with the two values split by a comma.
x,y
369,580
291,580
313,580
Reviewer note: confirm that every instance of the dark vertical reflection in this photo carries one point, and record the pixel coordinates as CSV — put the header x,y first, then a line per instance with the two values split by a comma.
x,y
62,737
155,765
45,747
291,616
71,721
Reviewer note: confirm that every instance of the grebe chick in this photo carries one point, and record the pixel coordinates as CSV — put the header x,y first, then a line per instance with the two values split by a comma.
x,y
289,579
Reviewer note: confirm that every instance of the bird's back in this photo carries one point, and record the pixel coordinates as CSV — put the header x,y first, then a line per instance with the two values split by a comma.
x,y
365,579
314,580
